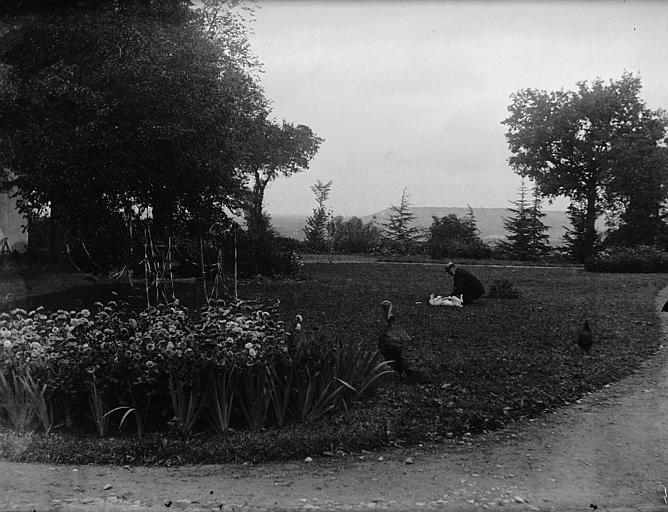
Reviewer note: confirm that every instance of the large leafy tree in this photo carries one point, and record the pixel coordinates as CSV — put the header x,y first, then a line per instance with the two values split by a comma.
x,y
273,150
638,191
114,111
577,144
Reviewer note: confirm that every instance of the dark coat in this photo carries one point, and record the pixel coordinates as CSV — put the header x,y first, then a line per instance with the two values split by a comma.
x,y
468,285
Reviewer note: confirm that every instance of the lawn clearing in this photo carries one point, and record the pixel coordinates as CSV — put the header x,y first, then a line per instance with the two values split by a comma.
x,y
494,362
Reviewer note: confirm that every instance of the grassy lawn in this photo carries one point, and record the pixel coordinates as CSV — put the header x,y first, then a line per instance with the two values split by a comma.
x,y
494,362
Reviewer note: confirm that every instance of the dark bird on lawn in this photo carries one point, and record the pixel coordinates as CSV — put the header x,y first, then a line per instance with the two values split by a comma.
x,y
396,345
392,338
665,306
585,337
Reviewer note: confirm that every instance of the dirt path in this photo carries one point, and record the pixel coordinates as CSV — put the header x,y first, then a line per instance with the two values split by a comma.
x,y
609,451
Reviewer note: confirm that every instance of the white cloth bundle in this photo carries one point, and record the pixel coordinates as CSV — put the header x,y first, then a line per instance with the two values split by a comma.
x,y
437,300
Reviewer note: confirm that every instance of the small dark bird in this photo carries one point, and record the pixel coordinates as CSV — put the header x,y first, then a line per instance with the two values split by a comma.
x,y
585,338
665,306
593,506
168,504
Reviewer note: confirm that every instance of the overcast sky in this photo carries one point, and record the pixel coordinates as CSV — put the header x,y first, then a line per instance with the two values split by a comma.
x,y
412,94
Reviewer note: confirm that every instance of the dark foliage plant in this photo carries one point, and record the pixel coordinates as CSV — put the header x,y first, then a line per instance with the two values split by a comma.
x,y
640,259
503,289
454,237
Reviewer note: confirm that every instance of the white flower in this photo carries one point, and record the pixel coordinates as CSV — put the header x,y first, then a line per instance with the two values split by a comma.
x,y
248,346
252,352
85,313
5,333
7,344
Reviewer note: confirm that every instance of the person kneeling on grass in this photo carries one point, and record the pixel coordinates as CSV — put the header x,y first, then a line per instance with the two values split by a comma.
x,y
464,283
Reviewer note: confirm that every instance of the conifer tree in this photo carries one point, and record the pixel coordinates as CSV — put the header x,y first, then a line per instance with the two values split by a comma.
x,y
538,238
398,227
316,225
471,225
527,239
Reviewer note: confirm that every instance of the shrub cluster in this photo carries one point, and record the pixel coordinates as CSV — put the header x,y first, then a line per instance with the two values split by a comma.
x,y
640,259
440,249
265,254
225,366
503,289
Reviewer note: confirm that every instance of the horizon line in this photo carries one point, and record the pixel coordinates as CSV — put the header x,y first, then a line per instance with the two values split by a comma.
x,y
285,214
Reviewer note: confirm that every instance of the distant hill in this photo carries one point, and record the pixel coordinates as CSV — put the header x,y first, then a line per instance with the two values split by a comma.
x,y
489,220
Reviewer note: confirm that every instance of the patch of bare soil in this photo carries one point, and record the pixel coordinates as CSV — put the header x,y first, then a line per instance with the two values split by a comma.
x,y
606,452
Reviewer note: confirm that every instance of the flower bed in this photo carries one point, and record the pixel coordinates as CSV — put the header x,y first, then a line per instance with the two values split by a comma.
x,y
167,368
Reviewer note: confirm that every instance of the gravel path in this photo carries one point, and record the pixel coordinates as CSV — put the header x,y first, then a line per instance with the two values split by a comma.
x,y
608,451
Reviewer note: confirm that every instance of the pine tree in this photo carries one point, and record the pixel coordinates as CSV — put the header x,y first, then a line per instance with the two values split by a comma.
x,y
471,226
398,228
538,238
316,225
527,238
576,235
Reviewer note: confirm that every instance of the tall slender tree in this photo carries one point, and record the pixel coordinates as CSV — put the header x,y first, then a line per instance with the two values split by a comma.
x,y
574,238
517,242
398,227
316,225
538,238
527,239
471,224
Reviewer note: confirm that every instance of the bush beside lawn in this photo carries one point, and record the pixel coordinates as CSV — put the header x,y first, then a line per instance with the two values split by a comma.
x,y
640,259
494,362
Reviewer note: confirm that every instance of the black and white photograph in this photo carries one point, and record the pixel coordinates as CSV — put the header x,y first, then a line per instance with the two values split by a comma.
x,y
333,255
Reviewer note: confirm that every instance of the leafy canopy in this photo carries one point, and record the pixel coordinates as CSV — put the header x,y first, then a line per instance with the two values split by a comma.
x,y
113,112
578,143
